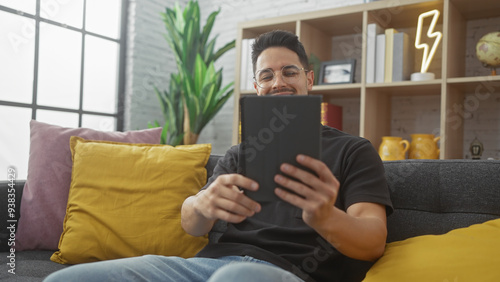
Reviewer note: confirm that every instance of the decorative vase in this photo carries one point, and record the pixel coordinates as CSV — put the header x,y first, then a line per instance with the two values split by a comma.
x,y
393,148
424,146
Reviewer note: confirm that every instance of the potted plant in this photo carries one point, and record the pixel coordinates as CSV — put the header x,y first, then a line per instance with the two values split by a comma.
x,y
195,93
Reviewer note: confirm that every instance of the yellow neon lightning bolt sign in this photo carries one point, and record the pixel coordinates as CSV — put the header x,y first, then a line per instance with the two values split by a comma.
x,y
426,60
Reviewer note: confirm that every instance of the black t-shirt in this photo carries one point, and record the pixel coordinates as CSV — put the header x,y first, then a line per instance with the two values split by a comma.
x,y
278,234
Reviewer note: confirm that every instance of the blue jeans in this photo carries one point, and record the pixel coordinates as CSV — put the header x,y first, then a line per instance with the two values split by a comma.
x,y
175,269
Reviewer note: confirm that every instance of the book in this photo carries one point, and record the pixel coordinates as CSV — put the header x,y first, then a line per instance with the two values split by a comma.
x,y
380,59
373,30
402,57
389,44
274,130
331,115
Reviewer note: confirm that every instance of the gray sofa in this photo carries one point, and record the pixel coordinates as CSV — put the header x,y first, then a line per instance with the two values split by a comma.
x,y
429,197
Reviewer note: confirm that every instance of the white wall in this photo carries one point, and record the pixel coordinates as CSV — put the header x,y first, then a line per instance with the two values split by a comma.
x,y
149,61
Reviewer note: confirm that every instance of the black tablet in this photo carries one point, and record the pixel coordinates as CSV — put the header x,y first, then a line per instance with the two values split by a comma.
x,y
274,130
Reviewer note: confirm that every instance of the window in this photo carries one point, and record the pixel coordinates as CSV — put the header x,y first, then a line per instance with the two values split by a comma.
x,y
61,62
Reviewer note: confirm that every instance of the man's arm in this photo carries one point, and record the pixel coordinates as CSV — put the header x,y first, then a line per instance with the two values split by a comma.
x,y
359,233
220,200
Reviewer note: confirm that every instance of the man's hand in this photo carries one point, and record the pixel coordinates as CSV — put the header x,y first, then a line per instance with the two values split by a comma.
x,y
224,200
360,232
221,200
319,193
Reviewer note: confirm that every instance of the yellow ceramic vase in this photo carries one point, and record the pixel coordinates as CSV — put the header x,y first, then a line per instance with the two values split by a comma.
x,y
393,148
424,146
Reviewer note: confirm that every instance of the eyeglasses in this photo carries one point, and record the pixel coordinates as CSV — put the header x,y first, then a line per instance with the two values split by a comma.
x,y
266,77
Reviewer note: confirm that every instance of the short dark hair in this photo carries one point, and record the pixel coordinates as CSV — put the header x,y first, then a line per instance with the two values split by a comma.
x,y
279,38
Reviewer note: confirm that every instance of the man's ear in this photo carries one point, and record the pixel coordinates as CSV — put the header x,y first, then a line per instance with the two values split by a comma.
x,y
310,79
256,88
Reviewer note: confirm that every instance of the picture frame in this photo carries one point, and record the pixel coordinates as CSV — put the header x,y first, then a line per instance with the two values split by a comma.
x,y
337,72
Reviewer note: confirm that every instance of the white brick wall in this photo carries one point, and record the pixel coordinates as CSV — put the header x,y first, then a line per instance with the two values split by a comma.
x,y
149,61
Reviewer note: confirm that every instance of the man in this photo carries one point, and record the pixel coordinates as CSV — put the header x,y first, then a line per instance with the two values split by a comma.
x,y
339,220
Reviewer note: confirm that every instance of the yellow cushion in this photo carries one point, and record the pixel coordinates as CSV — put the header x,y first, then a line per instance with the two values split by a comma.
x,y
125,200
465,254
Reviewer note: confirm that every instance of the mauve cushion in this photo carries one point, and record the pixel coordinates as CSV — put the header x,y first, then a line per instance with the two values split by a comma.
x,y
45,194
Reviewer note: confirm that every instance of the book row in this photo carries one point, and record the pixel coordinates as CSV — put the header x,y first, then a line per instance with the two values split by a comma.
x,y
389,55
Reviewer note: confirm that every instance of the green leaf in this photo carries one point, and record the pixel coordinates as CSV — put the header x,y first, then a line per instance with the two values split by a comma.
x,y
224,49
199,74
215,109
207,29
191,34
161,98
178,18
208,54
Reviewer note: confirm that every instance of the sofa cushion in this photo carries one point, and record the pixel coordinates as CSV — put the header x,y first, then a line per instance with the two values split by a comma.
x,y
45,194
464,254
125,200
